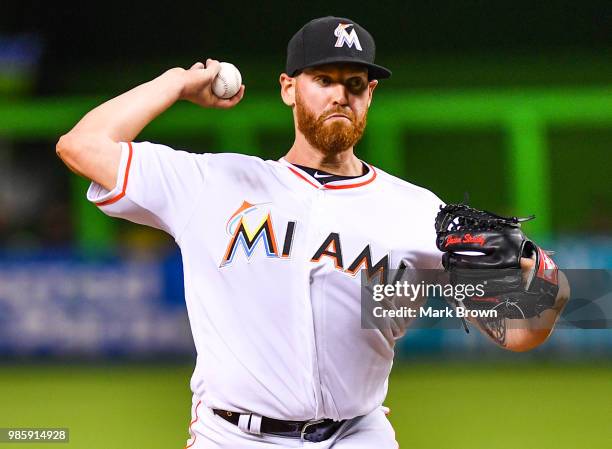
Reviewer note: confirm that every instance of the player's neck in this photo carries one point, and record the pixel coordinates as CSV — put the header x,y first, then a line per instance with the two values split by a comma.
x,y
344,163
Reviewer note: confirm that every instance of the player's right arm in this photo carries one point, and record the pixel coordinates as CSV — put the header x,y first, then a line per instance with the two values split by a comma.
x,y
92,148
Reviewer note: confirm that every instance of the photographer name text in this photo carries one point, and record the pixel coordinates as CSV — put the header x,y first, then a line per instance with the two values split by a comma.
x,y
431,312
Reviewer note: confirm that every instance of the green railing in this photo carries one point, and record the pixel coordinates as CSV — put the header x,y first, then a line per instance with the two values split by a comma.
x,y
525,116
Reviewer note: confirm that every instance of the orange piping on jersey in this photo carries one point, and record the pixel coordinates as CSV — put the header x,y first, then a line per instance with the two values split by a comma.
x,y
125,181
350,186
299,175
327,186
191,424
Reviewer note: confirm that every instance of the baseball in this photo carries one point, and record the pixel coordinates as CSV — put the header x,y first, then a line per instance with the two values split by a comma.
x,y
228,81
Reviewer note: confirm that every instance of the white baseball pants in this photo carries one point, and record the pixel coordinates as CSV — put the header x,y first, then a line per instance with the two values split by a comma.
x,y
209,431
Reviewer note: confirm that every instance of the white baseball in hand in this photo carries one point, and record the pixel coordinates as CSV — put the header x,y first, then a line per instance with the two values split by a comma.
x,y
228,81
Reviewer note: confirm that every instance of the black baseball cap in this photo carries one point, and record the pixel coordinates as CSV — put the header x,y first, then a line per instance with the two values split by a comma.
x,y
333,39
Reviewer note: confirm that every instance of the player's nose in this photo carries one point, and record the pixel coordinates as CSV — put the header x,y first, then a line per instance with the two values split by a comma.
x,y
340,94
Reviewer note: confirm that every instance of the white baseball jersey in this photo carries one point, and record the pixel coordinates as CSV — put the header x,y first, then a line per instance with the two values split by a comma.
x,y
271,260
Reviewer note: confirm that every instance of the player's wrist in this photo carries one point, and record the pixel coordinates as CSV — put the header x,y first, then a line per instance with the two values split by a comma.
x,y
173,83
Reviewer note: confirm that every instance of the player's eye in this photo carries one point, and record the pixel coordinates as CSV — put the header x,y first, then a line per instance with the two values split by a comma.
x,y
323,80
356,85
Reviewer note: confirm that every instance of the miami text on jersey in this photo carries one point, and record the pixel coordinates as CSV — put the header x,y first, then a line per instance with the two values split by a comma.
x,y
248,238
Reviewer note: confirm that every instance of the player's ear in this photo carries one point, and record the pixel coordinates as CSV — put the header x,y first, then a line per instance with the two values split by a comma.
x,y
371,86
287,89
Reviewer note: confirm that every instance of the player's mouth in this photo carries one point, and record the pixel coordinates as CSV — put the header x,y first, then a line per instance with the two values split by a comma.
x,y
337,116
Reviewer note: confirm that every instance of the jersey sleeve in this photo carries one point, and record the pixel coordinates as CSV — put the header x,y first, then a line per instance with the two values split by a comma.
x,y
156,186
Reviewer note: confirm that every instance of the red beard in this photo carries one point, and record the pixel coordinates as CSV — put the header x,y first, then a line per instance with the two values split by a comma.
x,y
331,137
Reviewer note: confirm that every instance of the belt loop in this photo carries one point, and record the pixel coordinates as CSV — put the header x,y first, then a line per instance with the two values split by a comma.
x,y
255,426
243,422
250,423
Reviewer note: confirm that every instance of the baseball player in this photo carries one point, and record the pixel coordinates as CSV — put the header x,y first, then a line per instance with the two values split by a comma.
x,y
272,249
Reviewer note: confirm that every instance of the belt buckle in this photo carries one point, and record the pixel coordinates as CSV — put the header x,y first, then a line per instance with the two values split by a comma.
x,y
307,425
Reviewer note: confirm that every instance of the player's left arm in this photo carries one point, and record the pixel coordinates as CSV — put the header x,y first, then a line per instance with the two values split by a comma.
x,y
524,334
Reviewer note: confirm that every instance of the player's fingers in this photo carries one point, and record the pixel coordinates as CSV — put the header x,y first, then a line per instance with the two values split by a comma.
x,y
527,264
230,102
212,67
239,94
198,65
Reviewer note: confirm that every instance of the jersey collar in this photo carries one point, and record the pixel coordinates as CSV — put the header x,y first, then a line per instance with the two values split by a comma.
x,y
334,185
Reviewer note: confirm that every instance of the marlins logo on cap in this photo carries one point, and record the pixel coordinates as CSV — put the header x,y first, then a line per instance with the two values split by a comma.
x,y
345,37
331,40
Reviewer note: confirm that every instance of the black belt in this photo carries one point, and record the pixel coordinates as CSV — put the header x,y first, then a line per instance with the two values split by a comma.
x,y
314,431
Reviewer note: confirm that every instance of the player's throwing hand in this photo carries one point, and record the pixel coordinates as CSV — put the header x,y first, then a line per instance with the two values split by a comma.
x,y
197,86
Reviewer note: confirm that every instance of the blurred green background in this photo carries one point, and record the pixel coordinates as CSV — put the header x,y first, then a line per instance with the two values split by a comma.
x,y
433,404
509,101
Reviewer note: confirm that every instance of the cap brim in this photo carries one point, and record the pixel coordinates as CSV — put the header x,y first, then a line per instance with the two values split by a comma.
x,y
375,72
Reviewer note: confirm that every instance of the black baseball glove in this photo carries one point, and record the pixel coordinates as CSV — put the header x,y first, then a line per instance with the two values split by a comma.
x,y
482,248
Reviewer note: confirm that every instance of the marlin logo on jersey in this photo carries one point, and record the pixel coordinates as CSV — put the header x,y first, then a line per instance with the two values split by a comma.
x,y
345,37
245,236
251,226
